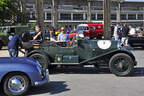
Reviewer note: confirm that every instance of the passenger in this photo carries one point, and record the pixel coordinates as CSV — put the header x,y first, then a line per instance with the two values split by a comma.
x,y
125,31
62,37
132,31
13,45
38,35
52,36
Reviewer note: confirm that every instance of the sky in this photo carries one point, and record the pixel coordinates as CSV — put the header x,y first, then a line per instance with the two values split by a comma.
x,y
135,0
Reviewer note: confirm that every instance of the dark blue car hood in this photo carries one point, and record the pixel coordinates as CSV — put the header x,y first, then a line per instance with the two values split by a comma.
x,y
17,60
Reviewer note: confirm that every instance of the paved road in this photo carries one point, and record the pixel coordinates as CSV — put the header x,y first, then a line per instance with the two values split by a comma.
x,y
88,82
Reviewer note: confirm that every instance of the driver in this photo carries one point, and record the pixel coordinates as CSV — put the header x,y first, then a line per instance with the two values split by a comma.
x,y
38,34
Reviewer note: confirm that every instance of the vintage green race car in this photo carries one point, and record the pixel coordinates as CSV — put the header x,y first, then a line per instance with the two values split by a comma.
x,y
108,53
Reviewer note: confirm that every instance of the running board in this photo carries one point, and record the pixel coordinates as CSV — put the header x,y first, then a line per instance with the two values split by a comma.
x,y
65,63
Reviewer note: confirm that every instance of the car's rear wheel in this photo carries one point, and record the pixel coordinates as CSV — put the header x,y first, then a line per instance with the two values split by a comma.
x,y
43,60
15,84
121,64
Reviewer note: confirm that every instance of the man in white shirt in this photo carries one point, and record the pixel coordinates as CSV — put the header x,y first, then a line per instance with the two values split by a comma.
x,y
116,29
132,31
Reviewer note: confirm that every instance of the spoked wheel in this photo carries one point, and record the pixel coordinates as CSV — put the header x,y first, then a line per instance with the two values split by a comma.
x,y
121,64
15,84
43,60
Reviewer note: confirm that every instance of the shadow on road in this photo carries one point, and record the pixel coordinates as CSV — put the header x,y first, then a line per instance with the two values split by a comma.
x,y
53,87
80,70
139,71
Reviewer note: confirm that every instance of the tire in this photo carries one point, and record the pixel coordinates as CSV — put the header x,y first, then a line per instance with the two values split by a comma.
x,y
10,90
121,64
43,60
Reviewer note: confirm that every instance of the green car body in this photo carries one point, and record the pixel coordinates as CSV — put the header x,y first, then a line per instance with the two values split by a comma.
x,y
84,52
4,36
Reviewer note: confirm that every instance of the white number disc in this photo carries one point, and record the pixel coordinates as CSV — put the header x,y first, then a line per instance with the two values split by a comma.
x,y
104,44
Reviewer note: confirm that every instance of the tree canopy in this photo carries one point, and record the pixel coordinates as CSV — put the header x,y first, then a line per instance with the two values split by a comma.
x,y
8,10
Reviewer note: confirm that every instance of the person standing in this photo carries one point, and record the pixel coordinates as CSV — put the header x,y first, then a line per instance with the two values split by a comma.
x,y
125,31
132,31
13,45
117,32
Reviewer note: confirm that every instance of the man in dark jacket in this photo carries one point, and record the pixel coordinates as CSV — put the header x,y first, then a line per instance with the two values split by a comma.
x,y
125,31
13,45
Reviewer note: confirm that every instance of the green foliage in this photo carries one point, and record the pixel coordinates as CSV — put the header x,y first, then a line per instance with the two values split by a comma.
x,y
3,34
8,9
32,26
59,26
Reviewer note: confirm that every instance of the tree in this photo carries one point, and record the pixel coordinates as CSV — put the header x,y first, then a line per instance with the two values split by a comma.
x,y
119,9
7,10
89,10
54,12
12,11
22,16
40,13
107,19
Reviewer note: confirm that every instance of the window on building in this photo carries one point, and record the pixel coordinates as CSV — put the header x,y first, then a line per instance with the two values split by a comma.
x,y
65,16
30,6
140,17
48,16
131,16
113,17
47,6
93,17
123,17
99,16
77,16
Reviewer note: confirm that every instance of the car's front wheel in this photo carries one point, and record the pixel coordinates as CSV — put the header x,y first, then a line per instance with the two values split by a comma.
x,y
121,64
15,84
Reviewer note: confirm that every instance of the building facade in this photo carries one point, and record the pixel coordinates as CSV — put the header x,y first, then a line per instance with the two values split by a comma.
x,y
74,12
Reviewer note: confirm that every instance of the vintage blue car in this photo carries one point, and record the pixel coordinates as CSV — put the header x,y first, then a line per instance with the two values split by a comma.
x,y
18,74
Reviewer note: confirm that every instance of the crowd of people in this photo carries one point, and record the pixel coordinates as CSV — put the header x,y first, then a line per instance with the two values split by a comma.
x,y
122,33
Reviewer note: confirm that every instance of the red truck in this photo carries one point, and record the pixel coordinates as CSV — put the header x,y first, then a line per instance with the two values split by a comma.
x,y
90,30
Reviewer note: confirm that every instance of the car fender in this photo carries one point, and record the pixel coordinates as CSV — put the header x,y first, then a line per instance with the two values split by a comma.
x,y
111,53
29,69
126,52
40,52
35,51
